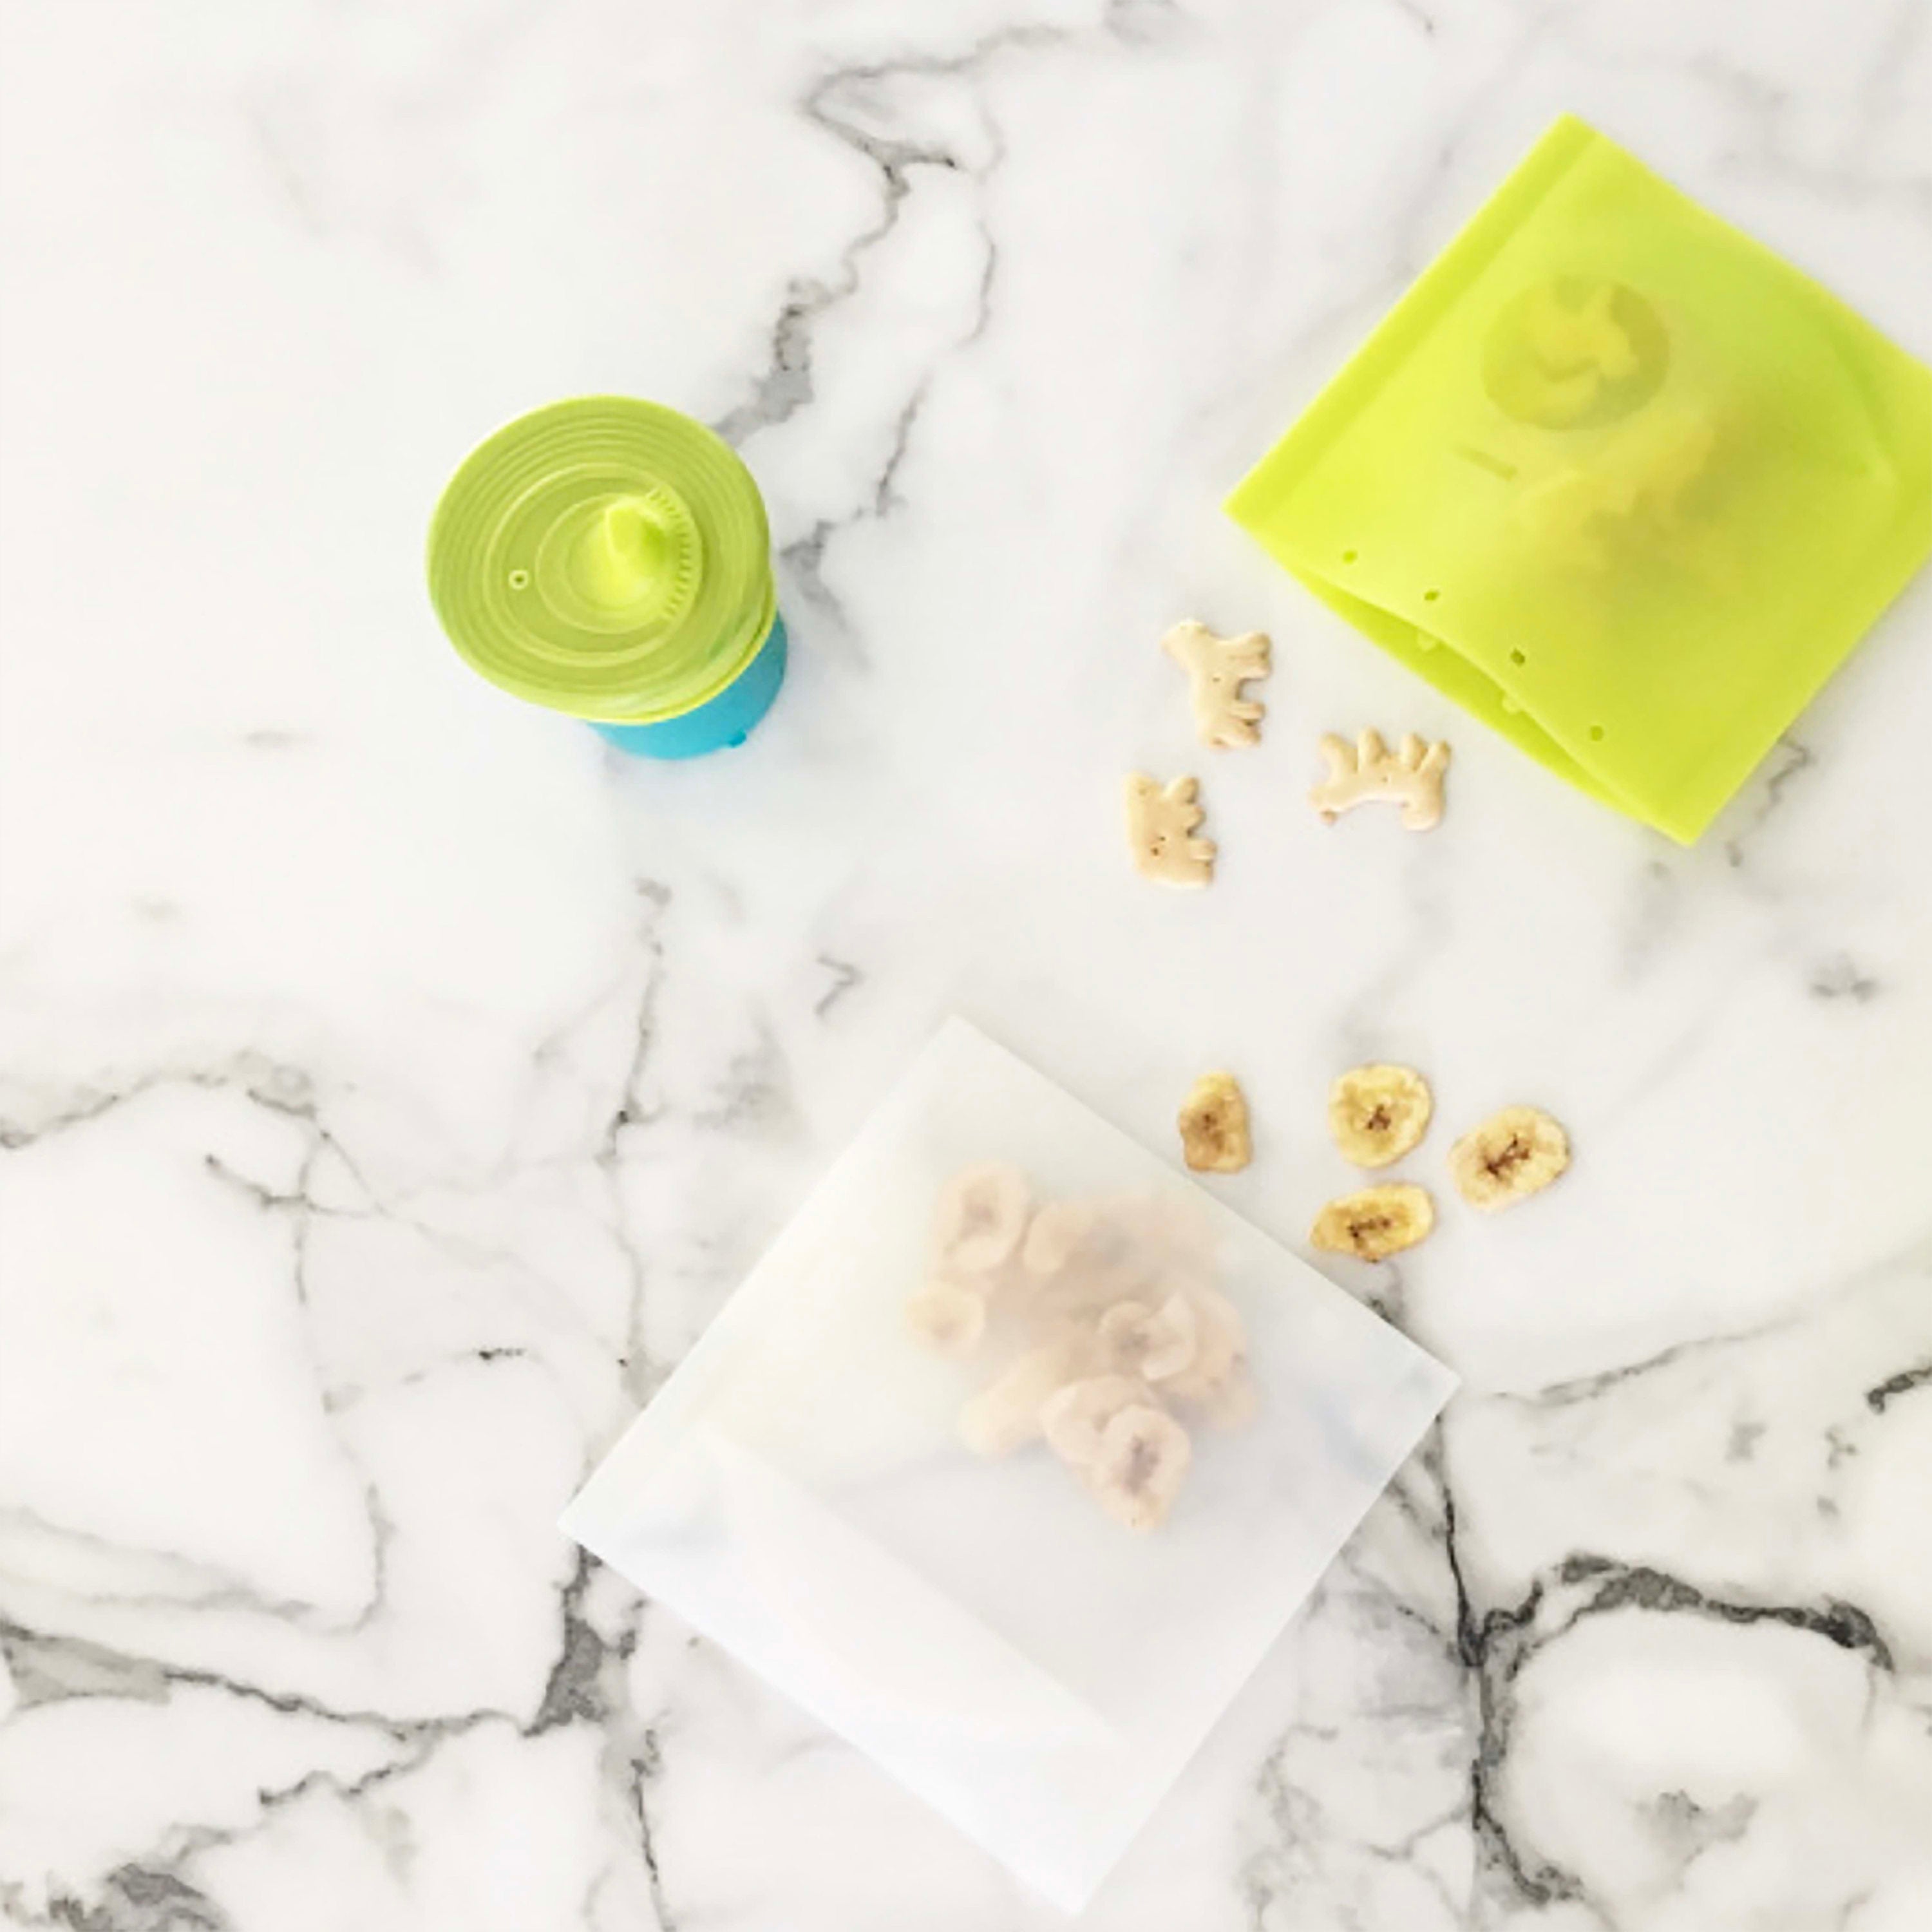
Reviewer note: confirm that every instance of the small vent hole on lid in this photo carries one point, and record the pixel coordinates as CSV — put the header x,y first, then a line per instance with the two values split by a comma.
x,y
519,579
1430,596
1349,556
1517,657
1597,733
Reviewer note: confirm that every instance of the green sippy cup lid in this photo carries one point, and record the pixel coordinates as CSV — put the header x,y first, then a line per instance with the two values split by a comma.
x,y
606,557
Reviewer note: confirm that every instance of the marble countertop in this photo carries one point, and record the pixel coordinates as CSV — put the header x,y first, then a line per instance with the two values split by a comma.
x,y
396,1080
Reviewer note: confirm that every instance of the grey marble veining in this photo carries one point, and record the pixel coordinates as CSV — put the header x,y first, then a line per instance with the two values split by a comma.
x,y
394,1082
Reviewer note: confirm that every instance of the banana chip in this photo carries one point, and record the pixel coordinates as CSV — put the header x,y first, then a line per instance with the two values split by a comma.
x,y
1378,1113
1074,1417
1215,1136
1515,1154
1055,1236
947,1316
1220,1343
1005,1415
981,1218
1375,1223
1153,1343
1139,1465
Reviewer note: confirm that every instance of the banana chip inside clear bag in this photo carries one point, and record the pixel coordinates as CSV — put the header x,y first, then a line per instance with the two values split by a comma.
x,y
1616,478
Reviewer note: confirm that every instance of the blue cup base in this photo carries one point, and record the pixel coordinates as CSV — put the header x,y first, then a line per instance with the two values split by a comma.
x,y
719,724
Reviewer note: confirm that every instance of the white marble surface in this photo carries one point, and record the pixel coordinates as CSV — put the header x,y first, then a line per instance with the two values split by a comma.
x,y
395,1081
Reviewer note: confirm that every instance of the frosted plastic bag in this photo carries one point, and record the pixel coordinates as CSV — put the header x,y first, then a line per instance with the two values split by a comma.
x,y
1032,1665
1614,477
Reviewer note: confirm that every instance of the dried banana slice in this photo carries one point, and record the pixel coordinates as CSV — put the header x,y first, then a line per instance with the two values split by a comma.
x,y
1142,1462
981,1217
1375,1223
1150,1342
1219,1340
947,1316
1005,1415
1215,1137
1056,1236
1074,1417
1378,1113
1514,1154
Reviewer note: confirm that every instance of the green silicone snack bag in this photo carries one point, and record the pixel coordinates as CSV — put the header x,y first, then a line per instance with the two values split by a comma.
x,y
1615,478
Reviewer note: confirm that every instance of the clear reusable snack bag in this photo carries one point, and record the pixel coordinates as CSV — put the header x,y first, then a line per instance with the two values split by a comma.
x,y
1616,478
923,1476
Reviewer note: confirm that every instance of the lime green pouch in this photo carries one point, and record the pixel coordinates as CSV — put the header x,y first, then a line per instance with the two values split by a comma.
x,y
1615,478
